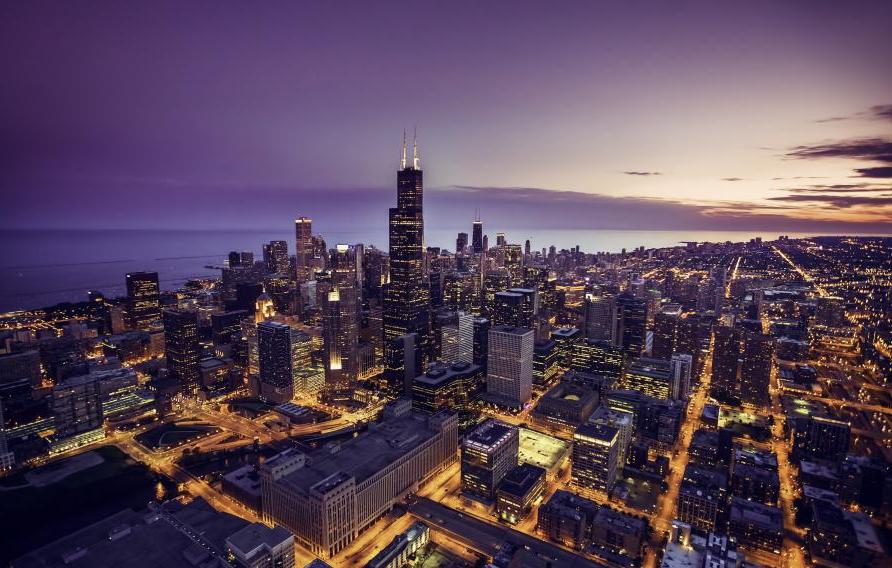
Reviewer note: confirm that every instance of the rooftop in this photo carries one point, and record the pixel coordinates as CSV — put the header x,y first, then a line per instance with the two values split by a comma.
x,y
363,456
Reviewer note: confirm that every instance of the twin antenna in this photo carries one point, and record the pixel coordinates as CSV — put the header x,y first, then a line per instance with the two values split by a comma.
x,y
416,161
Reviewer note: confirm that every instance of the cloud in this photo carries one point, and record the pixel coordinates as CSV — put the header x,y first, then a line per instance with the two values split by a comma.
x,y
875,149
883,112
840,188
878,172
832,119
639,173
733,179
839,201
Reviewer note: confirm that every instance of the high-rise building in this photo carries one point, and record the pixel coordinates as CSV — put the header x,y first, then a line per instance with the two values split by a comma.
x,y
143,299
725,360
181,348
303,249
600,317
481,341
509,371
275,257
226,326
665,332
595,457
597,357
487,455
457,338
649,376
341,321
631,331
77,406
755,368
406,297
461,243
477,236
680,368
515,307
275,361
624,422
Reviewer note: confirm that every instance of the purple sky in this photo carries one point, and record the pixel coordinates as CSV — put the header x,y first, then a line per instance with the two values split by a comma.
x,y
756,115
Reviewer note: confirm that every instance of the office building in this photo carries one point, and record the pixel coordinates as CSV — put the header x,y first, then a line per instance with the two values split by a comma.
x,y
226,327
631,324
481,341
76,404
303,249
461,243
725,360
515,307
406,296
446,386
703,498
819,436
567,518
649,376
680,368
487,455
341,322
143,299
275,257
665,325
755,368
624,422
181,348
330,495
509,371
518,491
455,331
546,364
595,457
275,361
600,317
756,526
597,358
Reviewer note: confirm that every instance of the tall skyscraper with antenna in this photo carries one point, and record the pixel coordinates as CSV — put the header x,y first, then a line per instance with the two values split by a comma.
x,y
406,297
477,235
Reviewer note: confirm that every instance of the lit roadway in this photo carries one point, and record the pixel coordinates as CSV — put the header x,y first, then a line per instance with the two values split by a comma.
x,y
661,522
792,554
805,275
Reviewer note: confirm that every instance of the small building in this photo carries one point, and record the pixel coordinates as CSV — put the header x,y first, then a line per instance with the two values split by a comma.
x,y
755,525
402,548
518,491
566,405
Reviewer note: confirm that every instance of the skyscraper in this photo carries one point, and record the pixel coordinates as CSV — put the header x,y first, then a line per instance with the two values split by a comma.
x,y
755,368
406,297
477,236
276,376
461,243
631,314
303,248
725,360
595,457
275,257
680,368
509,375
487,455
143,299
181,348
341,321
600,317
665,332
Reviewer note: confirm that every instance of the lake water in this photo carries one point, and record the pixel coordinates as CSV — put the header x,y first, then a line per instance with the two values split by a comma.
x,y
41,268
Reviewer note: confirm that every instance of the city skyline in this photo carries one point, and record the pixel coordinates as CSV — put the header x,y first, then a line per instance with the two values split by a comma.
x,y
764,117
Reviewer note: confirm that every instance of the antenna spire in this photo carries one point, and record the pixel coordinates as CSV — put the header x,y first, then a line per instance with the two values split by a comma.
x,y
403,155
416,161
